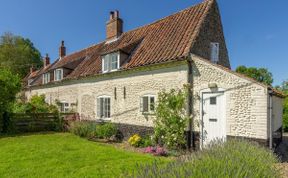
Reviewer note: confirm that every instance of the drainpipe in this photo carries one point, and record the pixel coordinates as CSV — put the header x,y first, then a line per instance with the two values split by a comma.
x,y
270,118
190,133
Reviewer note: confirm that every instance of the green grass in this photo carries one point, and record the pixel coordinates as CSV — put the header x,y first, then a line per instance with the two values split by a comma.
x,y
64,155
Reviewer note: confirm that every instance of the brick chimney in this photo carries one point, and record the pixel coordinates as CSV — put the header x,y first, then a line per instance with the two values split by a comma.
x,y
114,27
62,50
31,69
46,60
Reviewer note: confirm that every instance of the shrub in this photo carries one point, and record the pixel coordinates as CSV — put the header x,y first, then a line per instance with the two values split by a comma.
x,y
106,130
231,159
36,104
146,141
135,140
83,129
170,120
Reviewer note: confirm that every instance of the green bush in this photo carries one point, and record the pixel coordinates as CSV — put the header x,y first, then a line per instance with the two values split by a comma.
x,y
285,115
83,129
146,141
171,120
105,131
234,158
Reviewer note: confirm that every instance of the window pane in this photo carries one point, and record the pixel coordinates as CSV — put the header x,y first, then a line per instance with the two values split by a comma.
x,y
101,107
106,63
145,104
213,100
114,61
152,103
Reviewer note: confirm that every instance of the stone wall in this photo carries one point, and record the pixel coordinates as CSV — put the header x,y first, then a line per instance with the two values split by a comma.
x,y
126,110
212,31
246,101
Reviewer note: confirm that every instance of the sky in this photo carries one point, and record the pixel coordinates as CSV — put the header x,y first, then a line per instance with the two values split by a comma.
x,y
256,31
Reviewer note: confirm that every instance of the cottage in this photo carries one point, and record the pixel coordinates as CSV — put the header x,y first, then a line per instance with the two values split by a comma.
x,y
117,80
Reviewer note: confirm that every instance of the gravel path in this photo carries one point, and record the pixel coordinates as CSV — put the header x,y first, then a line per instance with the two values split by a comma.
x,y
282,151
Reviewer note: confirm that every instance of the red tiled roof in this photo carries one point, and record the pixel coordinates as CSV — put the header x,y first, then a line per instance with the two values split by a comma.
x,y
167,39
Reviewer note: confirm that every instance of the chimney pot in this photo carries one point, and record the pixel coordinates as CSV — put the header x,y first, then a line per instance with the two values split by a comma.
x,y
46,60
114,27
31,69
111,15
62,50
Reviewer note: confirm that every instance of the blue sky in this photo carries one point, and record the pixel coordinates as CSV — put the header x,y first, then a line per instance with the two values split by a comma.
x,y
256,31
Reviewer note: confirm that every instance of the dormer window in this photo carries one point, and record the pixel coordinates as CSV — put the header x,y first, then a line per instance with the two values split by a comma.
x,y
110,62
214,52
46,78
58,74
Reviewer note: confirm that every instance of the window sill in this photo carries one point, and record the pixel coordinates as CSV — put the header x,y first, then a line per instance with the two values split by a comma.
x,y
103,120
108,71
148,113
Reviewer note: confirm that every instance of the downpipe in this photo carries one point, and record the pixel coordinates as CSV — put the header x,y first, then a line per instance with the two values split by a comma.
x,y
270,118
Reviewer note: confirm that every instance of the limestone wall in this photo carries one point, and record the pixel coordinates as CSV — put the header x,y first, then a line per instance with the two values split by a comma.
x,y
83,93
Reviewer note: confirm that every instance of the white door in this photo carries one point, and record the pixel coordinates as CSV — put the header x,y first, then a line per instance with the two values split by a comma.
x,y
213,117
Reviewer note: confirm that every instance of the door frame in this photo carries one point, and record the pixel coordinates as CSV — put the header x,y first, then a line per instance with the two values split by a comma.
x,y
211,91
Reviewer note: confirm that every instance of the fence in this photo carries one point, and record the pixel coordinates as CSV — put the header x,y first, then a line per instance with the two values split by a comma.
x,y
36,122
22,122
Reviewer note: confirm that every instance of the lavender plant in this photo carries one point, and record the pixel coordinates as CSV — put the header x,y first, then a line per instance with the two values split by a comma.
x,y
235,158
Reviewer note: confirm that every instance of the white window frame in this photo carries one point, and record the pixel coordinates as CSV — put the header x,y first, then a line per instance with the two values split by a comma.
x,y
46,78
55,74
65,107
104,115
109,58
149,104
214,49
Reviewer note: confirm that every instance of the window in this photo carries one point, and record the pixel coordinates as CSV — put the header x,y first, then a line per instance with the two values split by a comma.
x,y
46,78
213,101
147,104
103,107
110,62
58,74
214,52
64,107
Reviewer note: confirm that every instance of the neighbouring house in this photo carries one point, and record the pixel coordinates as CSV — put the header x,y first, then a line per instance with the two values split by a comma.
x,y
117,80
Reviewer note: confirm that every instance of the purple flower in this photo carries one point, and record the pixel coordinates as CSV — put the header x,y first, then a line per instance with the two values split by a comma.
x,y
160,151
150,149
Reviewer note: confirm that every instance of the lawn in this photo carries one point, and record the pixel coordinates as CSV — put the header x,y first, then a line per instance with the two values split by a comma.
x,y
64,155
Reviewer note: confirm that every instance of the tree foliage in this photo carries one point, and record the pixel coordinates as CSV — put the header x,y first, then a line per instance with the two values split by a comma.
x,y
171,121
260,74
284,89
18,54
9,86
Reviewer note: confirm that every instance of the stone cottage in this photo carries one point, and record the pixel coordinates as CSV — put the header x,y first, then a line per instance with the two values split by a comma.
x,y
118,80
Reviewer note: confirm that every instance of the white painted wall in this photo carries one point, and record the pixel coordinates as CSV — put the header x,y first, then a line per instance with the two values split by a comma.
x,y
246,101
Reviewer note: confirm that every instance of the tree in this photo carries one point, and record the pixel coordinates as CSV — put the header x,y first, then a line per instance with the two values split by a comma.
x,y
260,74
9,86
18,54
284,89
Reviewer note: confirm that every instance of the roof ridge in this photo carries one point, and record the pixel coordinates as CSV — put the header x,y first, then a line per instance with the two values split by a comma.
x,y
137,28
